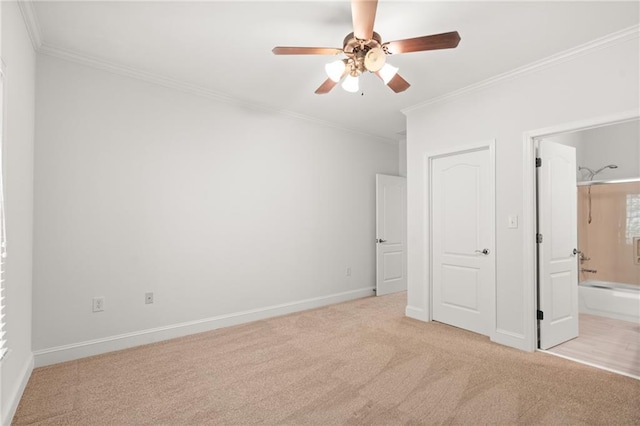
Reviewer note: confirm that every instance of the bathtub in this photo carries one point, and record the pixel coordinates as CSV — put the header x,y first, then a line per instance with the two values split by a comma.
x,y
612,300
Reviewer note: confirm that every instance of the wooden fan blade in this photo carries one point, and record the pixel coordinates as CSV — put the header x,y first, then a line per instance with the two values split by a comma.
x,y
418,44
287,50
326,87
397,83
363,14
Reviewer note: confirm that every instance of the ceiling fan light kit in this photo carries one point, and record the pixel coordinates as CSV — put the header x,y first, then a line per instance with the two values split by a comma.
x,y
375,59
351,84
387,72
336,69
366,52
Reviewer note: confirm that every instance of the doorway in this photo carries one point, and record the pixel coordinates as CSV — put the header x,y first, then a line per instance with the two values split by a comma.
x,y
601,328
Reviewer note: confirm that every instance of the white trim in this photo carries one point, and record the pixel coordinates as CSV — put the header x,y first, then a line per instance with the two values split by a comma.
x,y
416,313
612,39
127,340
31,22
511,339
529,269
428,276
16,394
590,364
35,34
172,83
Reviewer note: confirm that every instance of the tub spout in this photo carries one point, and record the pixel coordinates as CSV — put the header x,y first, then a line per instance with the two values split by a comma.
x,y
590,271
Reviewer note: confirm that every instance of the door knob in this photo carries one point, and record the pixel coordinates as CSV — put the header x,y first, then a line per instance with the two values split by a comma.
x,y
483,251
380,240
574,252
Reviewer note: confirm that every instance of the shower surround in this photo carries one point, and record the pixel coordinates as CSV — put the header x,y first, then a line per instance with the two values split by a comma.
x,y
609,244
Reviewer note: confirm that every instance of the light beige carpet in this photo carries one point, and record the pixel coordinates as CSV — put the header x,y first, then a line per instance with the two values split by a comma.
x,y
360,362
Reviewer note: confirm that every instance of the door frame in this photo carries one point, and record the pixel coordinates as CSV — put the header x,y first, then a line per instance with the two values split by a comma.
x,y
427,223
530,209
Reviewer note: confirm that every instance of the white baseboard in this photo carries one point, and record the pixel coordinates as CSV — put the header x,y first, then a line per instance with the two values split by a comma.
x,y
16,393
416,313
512,339
123,341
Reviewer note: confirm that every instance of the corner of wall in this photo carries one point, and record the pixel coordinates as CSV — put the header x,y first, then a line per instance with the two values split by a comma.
x,y
416,313
402,157
15,394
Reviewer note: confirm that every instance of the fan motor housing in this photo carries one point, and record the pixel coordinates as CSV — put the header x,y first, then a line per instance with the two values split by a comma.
x,y
356,50
352,44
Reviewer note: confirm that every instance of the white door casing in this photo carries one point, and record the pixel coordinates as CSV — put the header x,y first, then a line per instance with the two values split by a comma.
x,y
530,275
462,211
557,252
391,230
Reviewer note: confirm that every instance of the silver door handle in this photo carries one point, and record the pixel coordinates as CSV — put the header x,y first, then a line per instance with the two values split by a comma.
x,y
380,240
483,251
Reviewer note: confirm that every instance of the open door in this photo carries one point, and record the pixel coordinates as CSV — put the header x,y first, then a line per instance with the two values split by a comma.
x,y
391,230
557,244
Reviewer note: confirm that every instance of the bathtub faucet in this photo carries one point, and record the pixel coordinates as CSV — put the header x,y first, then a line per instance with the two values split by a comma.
x,y
591,271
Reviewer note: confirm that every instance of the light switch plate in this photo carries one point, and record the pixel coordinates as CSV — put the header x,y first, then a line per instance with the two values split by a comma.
x,y
513,222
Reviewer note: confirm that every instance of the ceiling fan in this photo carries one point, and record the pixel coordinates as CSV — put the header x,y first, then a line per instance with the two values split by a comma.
x,y
365,51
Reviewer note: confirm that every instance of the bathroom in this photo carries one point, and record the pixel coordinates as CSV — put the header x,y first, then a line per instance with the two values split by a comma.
x,y
608,218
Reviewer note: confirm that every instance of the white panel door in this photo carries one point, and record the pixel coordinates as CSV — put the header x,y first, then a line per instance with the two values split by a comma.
x,y
557,223
463,235
391,229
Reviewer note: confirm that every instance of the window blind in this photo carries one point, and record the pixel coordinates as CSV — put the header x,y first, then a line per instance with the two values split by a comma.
x,y
3,255
3,234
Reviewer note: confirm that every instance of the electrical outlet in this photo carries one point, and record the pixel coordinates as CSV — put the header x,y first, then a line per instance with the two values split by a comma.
x,y
98,304
348,272
148,298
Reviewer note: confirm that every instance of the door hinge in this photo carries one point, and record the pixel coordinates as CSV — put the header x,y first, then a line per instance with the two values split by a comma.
x,y
538,162
538,238
539,314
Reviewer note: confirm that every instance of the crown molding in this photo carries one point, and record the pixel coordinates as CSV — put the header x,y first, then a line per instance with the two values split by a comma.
x,y
30,18
193,89
31,22
607,41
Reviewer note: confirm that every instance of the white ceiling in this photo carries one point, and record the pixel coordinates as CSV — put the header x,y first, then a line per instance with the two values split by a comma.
x,y
225,46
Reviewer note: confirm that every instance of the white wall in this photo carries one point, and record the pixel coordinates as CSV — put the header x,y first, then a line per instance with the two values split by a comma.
x,y
20,60
215,208
595,83
402,157
619,144
613,144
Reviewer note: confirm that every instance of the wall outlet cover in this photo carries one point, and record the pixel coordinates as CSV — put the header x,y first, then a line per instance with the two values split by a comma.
x,y
98,304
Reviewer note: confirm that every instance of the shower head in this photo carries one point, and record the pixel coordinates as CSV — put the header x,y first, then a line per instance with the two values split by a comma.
x,y
610,166
593,173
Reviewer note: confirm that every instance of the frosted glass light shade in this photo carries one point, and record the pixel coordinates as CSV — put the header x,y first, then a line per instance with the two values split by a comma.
x,y
350,84
375,59
335,70
387,73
